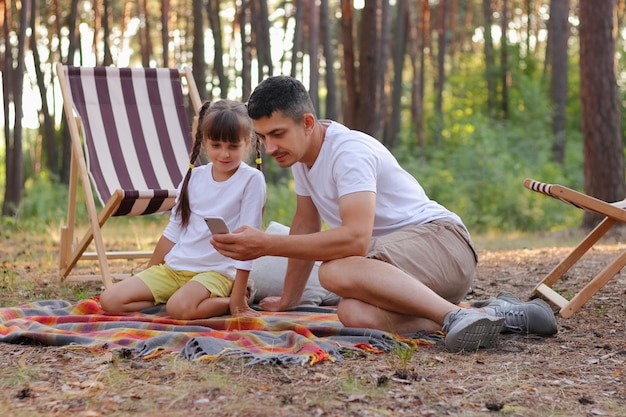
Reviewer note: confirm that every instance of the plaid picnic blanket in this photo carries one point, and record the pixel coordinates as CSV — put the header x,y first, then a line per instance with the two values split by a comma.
x,y
273,338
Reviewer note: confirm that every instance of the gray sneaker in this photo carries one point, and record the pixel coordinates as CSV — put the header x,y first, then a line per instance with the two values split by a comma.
x,y
468,329
533,316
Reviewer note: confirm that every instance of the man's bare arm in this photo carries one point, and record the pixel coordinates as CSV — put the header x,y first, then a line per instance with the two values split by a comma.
x,y
306,241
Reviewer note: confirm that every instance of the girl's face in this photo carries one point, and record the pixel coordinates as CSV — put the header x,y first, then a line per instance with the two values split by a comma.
x,y
226,157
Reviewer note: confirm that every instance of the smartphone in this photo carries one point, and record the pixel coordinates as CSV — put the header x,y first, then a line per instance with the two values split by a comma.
x,y
216,224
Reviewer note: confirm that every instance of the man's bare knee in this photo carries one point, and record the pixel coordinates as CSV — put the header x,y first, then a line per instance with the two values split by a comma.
x,y
335,275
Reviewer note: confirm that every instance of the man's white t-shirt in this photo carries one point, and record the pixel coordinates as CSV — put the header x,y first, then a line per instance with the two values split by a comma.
x,y
351,161
239,200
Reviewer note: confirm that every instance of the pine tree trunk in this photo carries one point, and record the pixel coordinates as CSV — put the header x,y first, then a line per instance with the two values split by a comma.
x,y
602,139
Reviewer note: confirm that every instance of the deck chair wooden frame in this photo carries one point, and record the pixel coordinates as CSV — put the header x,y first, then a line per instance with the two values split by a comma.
x,y
137,137
613,213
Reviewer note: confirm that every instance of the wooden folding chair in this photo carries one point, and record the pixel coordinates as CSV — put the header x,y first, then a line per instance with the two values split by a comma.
x,y
613,213
137,138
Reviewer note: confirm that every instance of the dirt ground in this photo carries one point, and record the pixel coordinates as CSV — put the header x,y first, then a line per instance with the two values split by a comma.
x,y
578,372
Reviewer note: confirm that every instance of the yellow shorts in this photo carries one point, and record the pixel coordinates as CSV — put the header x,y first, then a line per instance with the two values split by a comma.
x,y
163,282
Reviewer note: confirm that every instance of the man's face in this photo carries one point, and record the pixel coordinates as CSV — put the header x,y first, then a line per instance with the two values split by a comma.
x,y
286,140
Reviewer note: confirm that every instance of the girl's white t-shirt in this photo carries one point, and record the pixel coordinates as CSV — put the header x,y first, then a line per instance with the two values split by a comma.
x,y
239,200
351,161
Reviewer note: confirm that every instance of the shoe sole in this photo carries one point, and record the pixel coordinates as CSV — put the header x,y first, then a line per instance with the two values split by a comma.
x,y
481,333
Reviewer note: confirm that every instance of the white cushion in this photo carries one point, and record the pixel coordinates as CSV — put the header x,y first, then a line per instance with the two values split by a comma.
x,y
268,274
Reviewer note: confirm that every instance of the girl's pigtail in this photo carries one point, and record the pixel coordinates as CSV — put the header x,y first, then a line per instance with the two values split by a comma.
x,y
182,209
259,159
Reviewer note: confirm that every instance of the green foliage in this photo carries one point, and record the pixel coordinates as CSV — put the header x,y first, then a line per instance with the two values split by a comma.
x,y
476,169
44,202
281,202
479,168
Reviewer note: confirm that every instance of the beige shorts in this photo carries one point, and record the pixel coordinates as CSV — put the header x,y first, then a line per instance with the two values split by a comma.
x,y
163,282
440,254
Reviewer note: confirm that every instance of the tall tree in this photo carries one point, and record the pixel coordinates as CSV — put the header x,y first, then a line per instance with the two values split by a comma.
x,y
419,39
369,102
12,88
70,59
349,61
145,38
490,60
47,130
71,27
601,124
383,61
296,50
331,111
441,68
213,10
399,48
165,32
246,48
558,35
197,60
314,35
97,22
262,43
504,58
106,36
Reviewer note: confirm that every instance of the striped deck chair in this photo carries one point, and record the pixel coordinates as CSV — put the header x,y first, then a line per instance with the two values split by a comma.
x,y
136,137
614,213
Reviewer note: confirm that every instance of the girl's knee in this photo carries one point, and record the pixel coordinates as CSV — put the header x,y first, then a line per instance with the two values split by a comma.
x,y
109,301
177,311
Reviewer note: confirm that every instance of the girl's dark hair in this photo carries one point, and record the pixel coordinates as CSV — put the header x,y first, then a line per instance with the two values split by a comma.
x,y
223,121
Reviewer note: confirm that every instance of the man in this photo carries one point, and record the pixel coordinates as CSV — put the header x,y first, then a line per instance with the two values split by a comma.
x,y
399,261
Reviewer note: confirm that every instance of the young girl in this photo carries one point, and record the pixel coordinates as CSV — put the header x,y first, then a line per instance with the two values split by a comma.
x,y
185,271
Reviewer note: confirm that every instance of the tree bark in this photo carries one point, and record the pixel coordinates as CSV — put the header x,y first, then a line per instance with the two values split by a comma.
x,y
602,138
441,71
197,61
107,60
349,61
368,103
146,44
558,35
331,111
296,50
399,49
490,62
314,35
165,36
14,87
504,59
246,55
48,134
262,42
213,9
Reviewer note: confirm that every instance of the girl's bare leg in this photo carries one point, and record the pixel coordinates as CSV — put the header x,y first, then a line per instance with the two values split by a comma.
x,y
130,294
193,301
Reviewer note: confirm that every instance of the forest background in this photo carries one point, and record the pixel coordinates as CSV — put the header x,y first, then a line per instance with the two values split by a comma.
x,y
472,96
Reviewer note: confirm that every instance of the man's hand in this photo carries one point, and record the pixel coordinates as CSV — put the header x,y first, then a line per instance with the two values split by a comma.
x,y
273,304
243,244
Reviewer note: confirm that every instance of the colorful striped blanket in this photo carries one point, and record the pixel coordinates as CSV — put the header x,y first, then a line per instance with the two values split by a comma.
x,y
299,337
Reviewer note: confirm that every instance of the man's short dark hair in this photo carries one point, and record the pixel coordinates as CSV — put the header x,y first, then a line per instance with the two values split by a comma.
x,y
280,93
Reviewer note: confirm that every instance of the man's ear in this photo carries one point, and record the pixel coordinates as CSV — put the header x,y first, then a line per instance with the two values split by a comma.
x,y
309,122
